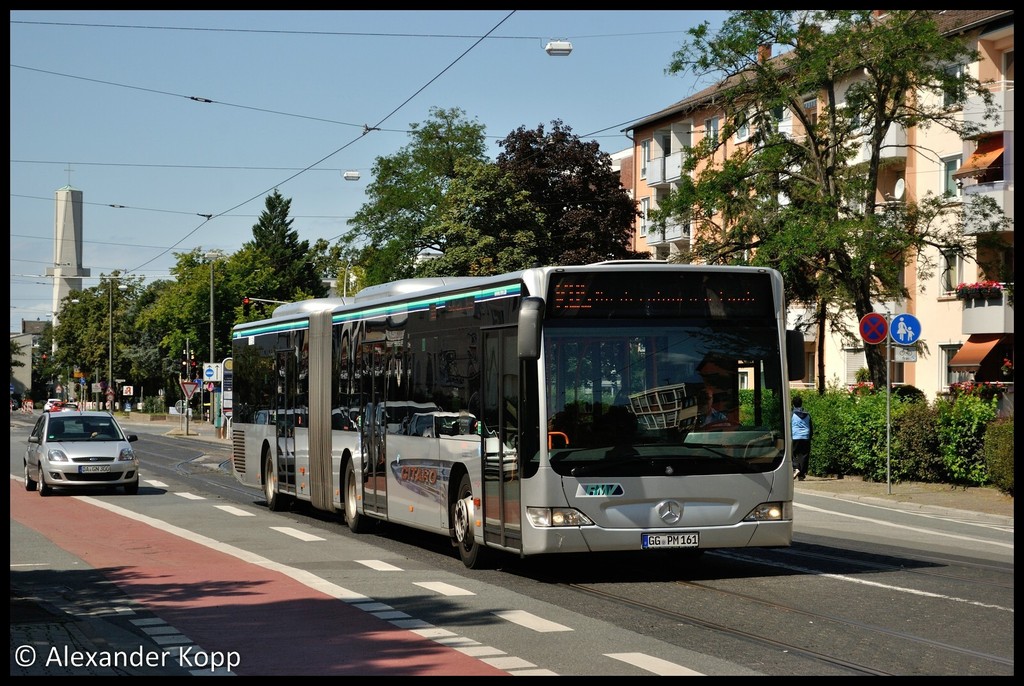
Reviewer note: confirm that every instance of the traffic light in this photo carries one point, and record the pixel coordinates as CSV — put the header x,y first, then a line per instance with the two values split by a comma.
x,y
184,363
193,367
245,305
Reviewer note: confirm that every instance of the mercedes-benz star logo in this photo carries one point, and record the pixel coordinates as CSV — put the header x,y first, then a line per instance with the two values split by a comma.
x,y
670,511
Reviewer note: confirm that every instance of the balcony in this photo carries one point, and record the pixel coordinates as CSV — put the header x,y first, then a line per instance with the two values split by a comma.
x,y
1000,191
974,109
676,231
987,315
662,171
894,146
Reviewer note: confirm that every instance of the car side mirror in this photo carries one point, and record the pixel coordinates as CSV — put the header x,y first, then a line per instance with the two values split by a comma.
x,y
132,438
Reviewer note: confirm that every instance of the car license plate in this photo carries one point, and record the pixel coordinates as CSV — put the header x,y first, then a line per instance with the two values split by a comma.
x,y
87,469
680,540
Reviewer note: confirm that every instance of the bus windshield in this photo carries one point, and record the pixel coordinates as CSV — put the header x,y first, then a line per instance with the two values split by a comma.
x,y
669,387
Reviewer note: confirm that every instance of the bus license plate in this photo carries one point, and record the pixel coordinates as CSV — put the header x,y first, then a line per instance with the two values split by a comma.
x,y
86,469
649,541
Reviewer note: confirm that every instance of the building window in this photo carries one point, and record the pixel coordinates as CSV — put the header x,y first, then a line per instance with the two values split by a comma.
x,y
855,361
952,272
949,96
950,187
711,128
645,208
948,374
742,127
645,157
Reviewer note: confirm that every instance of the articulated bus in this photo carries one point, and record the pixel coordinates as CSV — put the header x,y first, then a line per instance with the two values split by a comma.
x,y
610,407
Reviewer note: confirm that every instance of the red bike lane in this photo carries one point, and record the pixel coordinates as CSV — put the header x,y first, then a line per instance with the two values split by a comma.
x,y
275,624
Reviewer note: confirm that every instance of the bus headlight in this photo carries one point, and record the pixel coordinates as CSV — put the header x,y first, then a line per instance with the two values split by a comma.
x,y
770,512
547,517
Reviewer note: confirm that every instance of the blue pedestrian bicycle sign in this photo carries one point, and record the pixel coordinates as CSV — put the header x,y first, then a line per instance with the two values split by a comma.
x,y
905,329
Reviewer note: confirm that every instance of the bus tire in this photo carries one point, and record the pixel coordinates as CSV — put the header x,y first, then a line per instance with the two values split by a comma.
x,y
276,501
356,521
463,528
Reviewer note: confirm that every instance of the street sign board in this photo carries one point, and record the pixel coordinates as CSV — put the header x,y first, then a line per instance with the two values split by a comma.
x,y
189,388
905,329
873,328
211,371
904,355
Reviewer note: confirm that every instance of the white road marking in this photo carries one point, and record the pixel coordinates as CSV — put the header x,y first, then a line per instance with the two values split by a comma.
x,y
653,665
379,565
443,588
295,533
238,512
531,621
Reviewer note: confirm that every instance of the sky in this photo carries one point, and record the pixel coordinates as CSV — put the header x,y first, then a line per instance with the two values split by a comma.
x,y
115,104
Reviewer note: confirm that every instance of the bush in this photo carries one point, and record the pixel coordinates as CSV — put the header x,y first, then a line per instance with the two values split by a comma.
x,y
908,393
998,451
962,422
915,452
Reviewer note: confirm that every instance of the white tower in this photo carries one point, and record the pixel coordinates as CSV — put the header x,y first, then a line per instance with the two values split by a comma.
x,y
67,271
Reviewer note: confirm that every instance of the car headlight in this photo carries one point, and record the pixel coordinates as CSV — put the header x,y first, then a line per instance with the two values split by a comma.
x,y
547,517
56,455
127,455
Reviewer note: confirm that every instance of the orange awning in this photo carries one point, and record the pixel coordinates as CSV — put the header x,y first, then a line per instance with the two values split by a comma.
x,y
988,155
976,349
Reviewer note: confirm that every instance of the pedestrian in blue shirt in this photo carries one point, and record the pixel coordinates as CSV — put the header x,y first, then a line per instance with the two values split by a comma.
x,y
803,430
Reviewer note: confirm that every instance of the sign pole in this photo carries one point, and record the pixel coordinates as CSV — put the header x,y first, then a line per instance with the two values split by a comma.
x,y
888,401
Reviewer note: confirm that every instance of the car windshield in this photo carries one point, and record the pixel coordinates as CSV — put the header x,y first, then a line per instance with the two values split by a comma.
x,y
82,429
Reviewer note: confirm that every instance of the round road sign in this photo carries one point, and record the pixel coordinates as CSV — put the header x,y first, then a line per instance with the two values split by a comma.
x,y
873,328
906,329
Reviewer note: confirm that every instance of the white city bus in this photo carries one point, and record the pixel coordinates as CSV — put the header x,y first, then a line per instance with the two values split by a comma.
x,y
542,391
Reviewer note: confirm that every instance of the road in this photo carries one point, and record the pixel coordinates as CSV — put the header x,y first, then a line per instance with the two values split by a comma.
x,y
864,590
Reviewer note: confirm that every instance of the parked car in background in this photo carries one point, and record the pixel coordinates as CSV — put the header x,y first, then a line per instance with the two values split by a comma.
x,y
80,450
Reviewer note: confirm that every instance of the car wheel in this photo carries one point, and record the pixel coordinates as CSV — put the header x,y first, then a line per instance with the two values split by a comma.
x,y
30,483
356,521
463,517
132,488
44,488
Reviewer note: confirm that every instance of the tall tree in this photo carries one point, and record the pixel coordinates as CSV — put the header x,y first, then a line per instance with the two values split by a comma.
x,y
797,202
407,193
295,276
549,198
585,213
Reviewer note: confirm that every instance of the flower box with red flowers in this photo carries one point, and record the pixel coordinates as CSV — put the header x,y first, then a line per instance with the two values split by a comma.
x,y
982,290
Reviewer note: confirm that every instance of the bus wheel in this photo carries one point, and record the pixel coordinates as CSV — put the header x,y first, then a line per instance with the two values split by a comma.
x,y
356,521
275,501
463,518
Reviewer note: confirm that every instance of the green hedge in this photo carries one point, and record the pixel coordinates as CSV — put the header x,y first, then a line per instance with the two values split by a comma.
x,y
951,440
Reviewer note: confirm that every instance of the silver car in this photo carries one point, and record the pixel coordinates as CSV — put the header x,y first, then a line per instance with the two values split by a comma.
x,y
80,450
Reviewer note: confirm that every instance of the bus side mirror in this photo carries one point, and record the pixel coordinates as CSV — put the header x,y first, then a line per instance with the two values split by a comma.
x,y
531,311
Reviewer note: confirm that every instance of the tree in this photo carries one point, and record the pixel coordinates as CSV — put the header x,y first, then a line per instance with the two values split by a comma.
x,y
407,194
294,277
797,203
585,214
16,349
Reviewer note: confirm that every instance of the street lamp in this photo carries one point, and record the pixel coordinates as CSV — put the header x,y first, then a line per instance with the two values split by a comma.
x,y
212,256
110,332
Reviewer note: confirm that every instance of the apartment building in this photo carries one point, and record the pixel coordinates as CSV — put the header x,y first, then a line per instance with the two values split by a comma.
x,y
966,334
